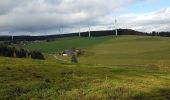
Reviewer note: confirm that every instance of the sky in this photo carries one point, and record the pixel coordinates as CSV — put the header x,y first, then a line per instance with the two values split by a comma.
x,y
42,17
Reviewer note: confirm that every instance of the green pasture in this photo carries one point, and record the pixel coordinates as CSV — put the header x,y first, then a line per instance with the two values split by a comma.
x,y
112,68
66,43
111,50
26,79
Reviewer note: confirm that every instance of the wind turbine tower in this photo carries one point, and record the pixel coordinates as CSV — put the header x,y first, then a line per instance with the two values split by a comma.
x,y
116,33
89,32
79,32
12,37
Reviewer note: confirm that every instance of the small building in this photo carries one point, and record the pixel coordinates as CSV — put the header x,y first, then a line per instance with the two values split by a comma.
x,y
68,52
65,55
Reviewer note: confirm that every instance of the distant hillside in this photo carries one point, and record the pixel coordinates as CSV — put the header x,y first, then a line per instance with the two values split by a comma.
x,y
83,34
121,50
67,43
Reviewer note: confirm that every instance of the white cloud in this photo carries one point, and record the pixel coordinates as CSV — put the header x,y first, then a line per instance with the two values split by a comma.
x,y
37,16
152,21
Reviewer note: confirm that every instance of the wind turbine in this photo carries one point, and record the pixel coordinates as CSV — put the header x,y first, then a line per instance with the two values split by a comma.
x,y
79,32
89,32
116,26
60,30
12,37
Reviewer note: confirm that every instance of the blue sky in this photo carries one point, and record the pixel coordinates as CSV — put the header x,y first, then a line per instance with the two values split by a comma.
x,y
148,6
35,17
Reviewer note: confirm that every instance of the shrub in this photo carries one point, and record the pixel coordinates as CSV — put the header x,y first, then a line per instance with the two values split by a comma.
x,y
6,51
50,40
80,52
74,59
160,65
36,55
21,53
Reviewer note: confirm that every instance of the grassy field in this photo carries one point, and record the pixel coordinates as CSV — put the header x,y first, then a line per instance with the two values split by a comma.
x,y
66,43
130,50
26,79
122,50
121,68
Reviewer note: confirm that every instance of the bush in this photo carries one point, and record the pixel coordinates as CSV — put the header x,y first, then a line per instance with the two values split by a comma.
x,y
50,40
160,65
80,52
36,55
74,59
21,53
6,51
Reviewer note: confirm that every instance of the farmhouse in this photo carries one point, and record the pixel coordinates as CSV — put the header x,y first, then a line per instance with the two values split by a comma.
x,y
68,52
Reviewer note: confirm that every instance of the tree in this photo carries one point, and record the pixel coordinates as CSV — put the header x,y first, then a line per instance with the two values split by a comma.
x,y
21,53
6,51
74,59
36,55
10,52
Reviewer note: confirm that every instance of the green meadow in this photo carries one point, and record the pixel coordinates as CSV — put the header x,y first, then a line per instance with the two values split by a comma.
x,y
110,50
66,43
26,79
130,50
112,68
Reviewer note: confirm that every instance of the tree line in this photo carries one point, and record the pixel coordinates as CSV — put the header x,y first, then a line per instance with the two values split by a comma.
x,y
11,51
163,34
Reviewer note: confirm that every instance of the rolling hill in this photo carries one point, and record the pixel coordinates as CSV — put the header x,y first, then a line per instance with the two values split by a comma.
x,y
25,79
113,68
110,50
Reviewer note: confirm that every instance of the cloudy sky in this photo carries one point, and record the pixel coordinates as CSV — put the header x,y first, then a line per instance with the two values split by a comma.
x,y
37,17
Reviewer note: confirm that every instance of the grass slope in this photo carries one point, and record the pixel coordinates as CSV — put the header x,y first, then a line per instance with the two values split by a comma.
x,y
66,43
130,50
122,50
143,72
26,79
